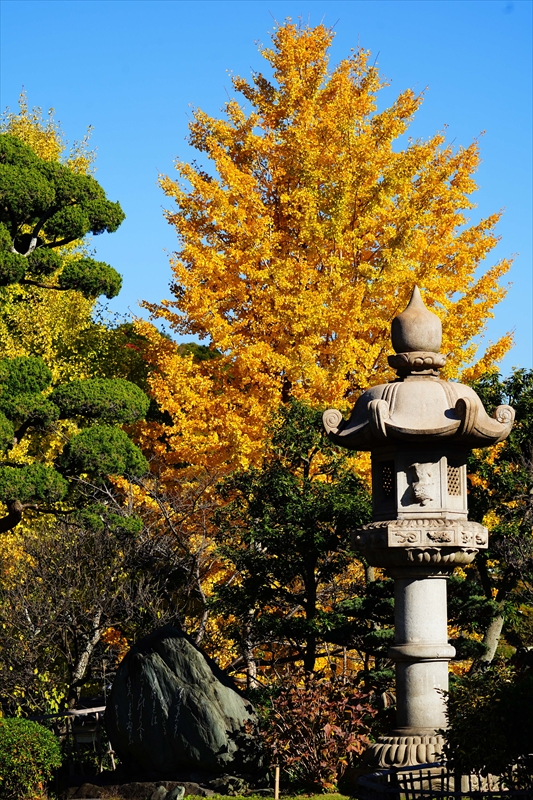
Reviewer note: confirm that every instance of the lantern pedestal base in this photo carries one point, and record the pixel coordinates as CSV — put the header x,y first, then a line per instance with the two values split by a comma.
x,y
406,750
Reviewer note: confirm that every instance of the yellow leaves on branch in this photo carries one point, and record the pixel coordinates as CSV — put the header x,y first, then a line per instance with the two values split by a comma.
x,y
45,136
50,324
301,236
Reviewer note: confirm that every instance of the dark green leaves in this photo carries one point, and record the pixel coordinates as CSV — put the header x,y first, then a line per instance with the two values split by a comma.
x,y
13,152
23,375
102,450
108,400
44,262
97,518
490,717
31,483
286,531
7,432
91,278
12,267
98,451
66,205
33,409
44,205
69,223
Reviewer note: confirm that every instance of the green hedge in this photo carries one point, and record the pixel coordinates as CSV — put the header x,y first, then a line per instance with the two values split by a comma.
x,y
29,754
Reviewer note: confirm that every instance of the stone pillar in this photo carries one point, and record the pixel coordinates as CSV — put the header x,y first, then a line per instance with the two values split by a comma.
x,y
421,652
409,550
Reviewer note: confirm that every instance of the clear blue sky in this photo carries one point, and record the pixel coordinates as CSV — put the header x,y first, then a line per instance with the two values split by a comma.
x,y
133,68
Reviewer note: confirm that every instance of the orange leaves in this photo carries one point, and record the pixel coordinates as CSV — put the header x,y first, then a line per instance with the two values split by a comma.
x,y
301,240
116,642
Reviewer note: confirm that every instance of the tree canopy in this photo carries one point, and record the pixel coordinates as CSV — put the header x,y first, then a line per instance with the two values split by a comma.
x,y
64,397
501,496
302,230
29,476
45,206
285,533
68,331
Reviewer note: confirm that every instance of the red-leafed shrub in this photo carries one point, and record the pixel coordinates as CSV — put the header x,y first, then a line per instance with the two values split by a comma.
x,y
315,730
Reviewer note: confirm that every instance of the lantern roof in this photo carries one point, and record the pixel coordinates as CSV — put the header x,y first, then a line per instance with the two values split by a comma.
x,y
418,406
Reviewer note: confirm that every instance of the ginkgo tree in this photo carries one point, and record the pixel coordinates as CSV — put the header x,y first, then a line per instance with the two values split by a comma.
x,y
302,230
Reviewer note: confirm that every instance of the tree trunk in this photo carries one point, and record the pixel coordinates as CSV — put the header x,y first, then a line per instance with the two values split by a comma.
x,y
310,613
494,630
490,640
205,612
248,653
13,517
80,668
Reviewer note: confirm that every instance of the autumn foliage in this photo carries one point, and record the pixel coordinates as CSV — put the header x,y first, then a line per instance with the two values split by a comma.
x,y
301,234
302,229
313,730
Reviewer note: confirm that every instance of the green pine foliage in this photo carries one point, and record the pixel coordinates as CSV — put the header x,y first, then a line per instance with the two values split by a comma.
x,y
502,492
7,432
286,530
44,207
98,449
111,400
33,409
369,627
44,263
102,450
199,352
91,278
469,611
23,375
31,483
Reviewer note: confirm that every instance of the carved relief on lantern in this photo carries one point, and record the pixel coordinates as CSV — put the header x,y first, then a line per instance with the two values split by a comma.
x,y
418,481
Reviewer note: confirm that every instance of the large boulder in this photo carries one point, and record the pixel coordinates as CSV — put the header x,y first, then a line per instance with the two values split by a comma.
x,y
171,707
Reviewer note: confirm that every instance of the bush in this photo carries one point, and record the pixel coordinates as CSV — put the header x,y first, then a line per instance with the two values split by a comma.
x,y
102,450
313,731
490,719
29,754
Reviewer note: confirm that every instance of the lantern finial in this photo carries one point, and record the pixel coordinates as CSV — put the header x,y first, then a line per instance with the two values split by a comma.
x,y
416,336
416,328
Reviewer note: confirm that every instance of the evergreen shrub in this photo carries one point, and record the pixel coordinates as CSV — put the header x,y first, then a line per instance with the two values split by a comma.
x,y
29,754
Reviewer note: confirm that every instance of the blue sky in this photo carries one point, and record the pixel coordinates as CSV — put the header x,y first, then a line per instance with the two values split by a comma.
x,y
133,68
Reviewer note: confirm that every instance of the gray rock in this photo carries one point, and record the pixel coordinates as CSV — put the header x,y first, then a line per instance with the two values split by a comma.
x,y
229,785
171,707
178,793
87,791
168,790
159,794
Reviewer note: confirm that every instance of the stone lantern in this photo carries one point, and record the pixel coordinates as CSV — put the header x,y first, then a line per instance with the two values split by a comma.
x,y
419,430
